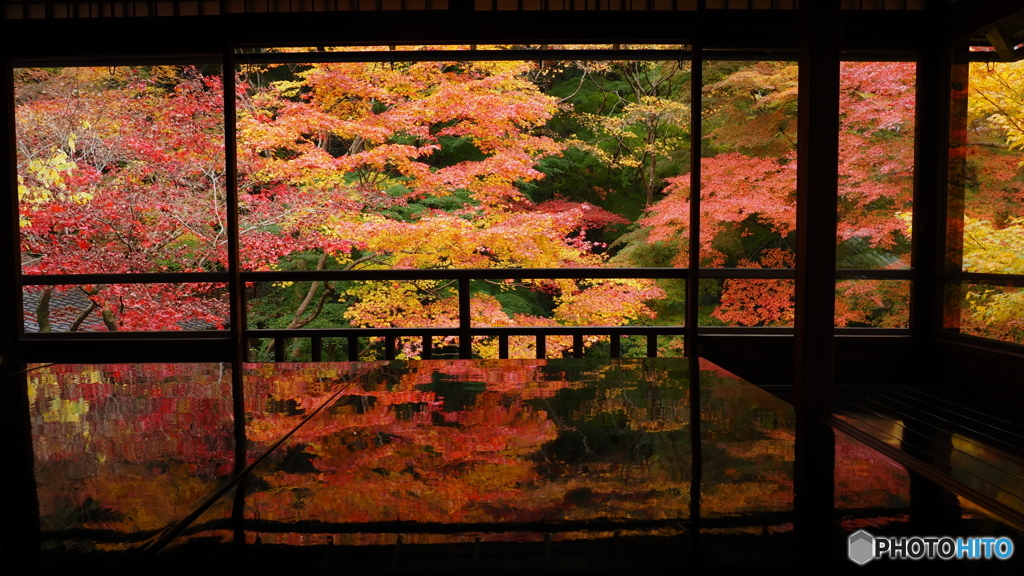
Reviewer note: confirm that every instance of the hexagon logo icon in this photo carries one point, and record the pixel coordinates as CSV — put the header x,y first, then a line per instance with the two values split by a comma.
x,y
861,547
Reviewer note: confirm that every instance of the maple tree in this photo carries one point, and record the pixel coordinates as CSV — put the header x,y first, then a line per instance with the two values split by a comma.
x,y
133,182
993,156
348,165
748,211
632,117
432,157
489,165
994,142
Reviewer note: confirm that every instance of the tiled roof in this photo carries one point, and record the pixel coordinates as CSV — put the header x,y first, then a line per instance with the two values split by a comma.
x,y
67,305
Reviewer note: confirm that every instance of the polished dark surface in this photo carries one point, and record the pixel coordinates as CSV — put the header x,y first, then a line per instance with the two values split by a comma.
x,y
430,465
976,448
124,450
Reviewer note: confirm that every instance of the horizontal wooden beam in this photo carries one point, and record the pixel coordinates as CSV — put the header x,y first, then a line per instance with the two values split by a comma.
x,y
162,37
970,18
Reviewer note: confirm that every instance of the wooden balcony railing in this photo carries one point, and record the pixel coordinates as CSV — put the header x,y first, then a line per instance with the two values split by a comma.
x,y
459,338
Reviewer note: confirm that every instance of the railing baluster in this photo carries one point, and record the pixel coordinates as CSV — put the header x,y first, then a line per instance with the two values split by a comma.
x,y
465,340
316,344
621,340
353,348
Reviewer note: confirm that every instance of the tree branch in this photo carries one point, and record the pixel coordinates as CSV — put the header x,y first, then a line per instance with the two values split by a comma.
x,y
296,323
82,316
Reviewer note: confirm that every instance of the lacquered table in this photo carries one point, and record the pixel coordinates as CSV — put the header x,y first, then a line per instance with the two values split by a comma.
x,y
572,463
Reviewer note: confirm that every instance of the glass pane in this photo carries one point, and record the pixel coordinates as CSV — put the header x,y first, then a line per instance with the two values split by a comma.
x,y
876,167
748,166
125,307
121,169
993,312
365,165
986,225
365,304
993,176
563,302
873,303
747,302
453,164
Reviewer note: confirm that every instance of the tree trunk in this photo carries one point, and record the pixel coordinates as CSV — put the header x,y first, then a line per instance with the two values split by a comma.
x,y
43,310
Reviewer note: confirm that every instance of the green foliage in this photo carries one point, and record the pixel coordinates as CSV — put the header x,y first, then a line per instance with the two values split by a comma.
x,y
454,150
516,300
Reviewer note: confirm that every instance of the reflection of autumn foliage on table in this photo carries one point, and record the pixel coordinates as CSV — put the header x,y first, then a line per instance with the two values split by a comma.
x,y
507,442
747,437
431,442
866,479
132,448
128,448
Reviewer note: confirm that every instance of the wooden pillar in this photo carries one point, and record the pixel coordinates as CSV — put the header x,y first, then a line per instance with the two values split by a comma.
x,y
817,185
10,239
236,295
931,180
19,508
696,136
951,197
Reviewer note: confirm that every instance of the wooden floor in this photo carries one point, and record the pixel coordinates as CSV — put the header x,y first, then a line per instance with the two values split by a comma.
x,y
953,441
